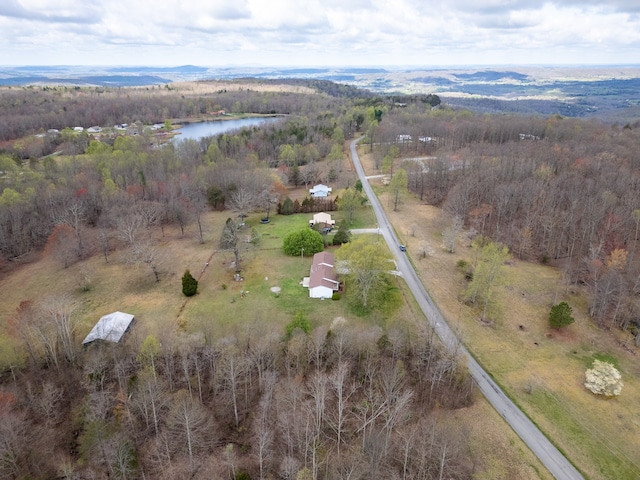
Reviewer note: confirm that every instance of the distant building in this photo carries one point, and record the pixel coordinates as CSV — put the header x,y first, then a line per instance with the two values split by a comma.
x,y
528,136
94,129
324,219
78,129
403,138
110,328
320,191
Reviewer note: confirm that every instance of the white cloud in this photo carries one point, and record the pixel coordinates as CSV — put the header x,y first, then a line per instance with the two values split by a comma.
x,y
329,32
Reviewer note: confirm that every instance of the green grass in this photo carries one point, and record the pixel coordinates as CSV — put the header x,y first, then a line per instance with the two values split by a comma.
x,y
604,357
223,310
218,311
362,218
609,461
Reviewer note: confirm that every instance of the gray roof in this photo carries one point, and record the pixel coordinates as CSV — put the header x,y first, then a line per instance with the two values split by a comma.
x,y
110,328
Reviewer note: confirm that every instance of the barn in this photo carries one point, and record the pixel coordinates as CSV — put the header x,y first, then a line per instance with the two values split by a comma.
x,y
110,328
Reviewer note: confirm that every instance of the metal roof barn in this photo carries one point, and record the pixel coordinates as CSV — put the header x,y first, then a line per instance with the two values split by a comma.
x,y
110,328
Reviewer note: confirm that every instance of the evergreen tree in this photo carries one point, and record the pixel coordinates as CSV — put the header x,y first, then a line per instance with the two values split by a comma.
x,y
189,284
343,235
288,207
560,315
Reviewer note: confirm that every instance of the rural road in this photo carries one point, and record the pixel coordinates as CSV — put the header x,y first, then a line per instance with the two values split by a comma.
x,y
546,452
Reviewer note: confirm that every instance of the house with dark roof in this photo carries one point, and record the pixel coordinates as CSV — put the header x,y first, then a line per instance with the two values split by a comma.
x,y
323,279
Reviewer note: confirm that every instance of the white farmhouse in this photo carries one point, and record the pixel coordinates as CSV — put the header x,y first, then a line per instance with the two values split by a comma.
x,y
320,190
323,279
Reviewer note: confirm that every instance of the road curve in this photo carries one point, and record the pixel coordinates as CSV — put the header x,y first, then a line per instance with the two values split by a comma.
x,y
546,452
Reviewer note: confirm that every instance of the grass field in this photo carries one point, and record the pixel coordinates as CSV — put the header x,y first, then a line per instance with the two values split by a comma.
x,y
541,369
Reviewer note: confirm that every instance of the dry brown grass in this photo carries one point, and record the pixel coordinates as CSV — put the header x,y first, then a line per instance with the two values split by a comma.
x,y
543,370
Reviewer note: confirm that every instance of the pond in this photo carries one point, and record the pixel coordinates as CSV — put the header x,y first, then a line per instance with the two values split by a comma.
x,y
198,130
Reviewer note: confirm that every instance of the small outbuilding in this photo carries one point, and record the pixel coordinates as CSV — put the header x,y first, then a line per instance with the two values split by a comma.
x,y
110,328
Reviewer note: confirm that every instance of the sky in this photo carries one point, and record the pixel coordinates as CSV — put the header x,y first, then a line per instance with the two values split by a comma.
x,y
308,33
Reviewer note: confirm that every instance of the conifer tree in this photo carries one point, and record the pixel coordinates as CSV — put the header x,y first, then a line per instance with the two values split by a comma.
x,y
560,315
189,284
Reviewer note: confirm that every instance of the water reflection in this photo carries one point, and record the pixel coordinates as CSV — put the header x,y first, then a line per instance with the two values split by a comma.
x,y
198,130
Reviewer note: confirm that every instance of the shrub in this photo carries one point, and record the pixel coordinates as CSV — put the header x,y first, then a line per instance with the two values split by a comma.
x,y
462,264
300,321
342,236
189,284
603,379
335,296
306,241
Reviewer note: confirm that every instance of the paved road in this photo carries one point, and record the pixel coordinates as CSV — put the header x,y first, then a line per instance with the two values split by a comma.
x,y
548,454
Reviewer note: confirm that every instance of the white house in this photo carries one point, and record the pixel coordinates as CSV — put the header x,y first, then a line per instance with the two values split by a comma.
x,y
320,190
323,219
323,279
110,328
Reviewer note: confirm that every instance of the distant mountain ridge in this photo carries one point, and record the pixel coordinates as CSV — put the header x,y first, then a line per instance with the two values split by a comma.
x,y
611,92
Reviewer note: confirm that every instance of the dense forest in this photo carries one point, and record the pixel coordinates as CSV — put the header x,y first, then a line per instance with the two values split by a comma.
x,y
314,404
338,403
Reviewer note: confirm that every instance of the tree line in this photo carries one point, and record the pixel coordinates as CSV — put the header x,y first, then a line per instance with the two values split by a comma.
x,y
339,402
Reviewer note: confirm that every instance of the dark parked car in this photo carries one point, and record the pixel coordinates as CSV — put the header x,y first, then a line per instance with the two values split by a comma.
x,y
403,248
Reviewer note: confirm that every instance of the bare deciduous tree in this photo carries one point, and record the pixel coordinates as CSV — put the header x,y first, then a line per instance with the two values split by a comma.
x,y
450,234
190,427
342,390
146,252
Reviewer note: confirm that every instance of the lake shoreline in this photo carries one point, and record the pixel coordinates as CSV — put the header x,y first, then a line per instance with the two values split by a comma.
x,y
212,125
178,122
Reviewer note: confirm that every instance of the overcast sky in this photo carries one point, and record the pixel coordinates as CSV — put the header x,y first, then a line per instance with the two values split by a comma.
x,y
319,32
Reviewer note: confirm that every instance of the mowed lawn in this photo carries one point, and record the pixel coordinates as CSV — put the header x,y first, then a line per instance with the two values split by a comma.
x,y
218,308
541,369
